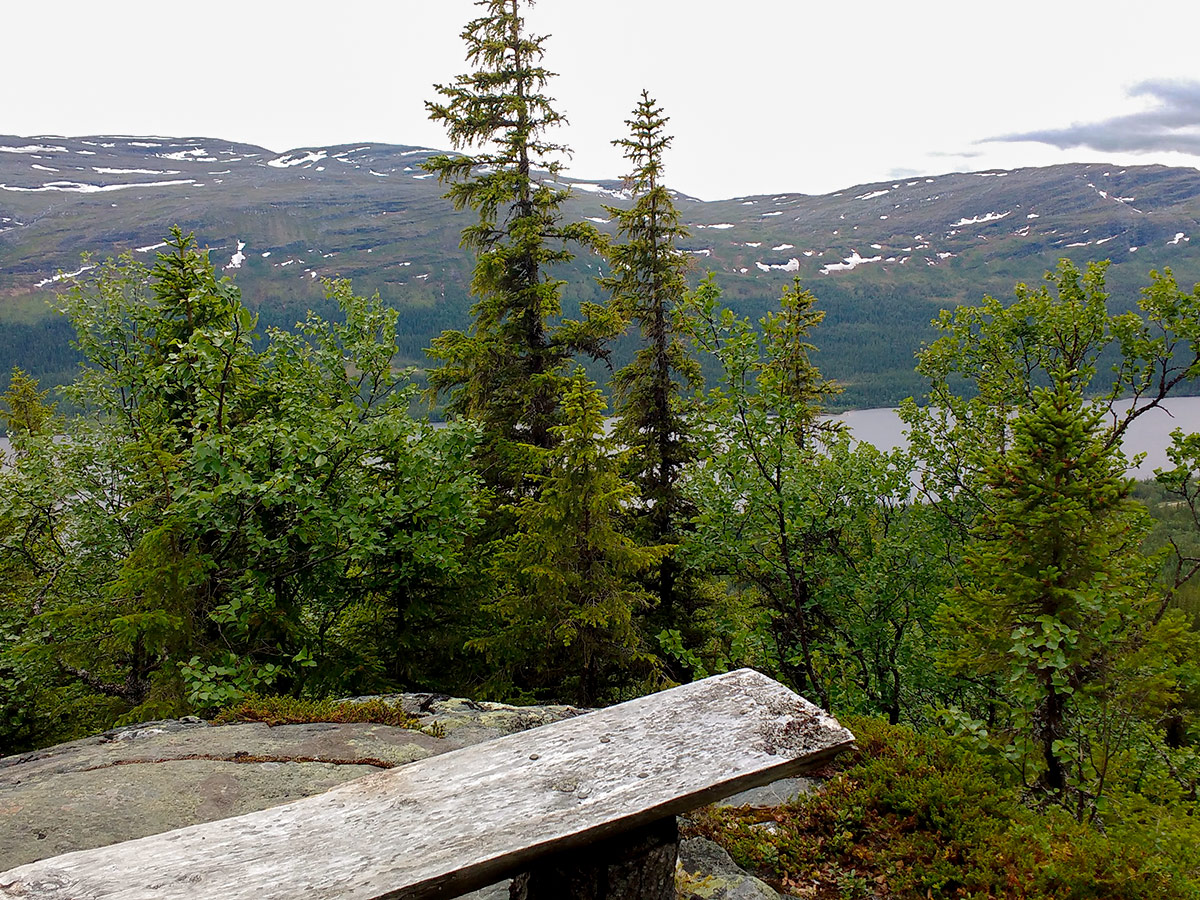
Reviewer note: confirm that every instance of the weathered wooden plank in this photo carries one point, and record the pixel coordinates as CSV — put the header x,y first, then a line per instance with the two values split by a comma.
x,y
449,824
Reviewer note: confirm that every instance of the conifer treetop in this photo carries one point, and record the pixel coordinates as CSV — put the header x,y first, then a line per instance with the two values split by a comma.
x,y
648,268
501,111
646,143
506,372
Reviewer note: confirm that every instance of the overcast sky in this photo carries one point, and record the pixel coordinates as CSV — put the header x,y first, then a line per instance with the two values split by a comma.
x,y
765,96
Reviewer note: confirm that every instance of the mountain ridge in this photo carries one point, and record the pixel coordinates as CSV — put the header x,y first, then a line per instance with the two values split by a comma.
x,y
882,256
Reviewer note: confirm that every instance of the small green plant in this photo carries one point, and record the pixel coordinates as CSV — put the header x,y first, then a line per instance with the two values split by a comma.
x,y
217,684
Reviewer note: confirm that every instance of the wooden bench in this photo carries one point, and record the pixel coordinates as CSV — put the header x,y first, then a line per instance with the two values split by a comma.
x,y
583,808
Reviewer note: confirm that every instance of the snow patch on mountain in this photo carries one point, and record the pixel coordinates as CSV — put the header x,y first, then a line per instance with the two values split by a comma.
x,y
105,170
75,187
297,159
61,275
196,154
235,262
854,260
979,220
792,265
598,189
34,148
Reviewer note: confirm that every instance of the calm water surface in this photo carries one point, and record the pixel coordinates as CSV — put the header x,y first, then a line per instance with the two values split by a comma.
x,y
1150,433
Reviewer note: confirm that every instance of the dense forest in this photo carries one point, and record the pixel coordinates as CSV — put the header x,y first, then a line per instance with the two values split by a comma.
x,y
233,509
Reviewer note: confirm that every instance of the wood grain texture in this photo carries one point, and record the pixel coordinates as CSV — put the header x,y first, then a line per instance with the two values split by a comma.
x,y
449,824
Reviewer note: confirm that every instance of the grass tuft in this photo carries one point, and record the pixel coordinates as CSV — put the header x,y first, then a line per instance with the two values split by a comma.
x,y
276,710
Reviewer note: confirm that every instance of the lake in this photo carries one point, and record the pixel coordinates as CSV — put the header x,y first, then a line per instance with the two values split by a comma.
x,y
1150,433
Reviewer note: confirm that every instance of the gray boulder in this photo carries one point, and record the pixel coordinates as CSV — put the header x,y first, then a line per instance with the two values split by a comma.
x,y
706,872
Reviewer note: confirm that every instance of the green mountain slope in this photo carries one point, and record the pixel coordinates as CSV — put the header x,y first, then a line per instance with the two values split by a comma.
x,y
883,258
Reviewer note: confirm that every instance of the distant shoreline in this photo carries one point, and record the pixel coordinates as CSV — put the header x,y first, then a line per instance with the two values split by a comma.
x,y
1149,433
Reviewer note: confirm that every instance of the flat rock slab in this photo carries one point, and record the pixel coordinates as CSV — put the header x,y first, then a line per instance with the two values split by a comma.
x,y
467,722
445,824
158,776
78,811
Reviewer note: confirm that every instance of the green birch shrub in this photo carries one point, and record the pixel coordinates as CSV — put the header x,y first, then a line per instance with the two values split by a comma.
x,y
816,532
1057,600
1076,659
44,563
234,513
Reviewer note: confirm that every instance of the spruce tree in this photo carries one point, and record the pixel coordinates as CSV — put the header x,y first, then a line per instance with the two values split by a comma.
x,y
647,288
567,578
1057,598
25,410
507,371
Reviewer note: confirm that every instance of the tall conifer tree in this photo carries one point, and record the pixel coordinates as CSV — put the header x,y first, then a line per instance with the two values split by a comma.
x,y
507,371
647,287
